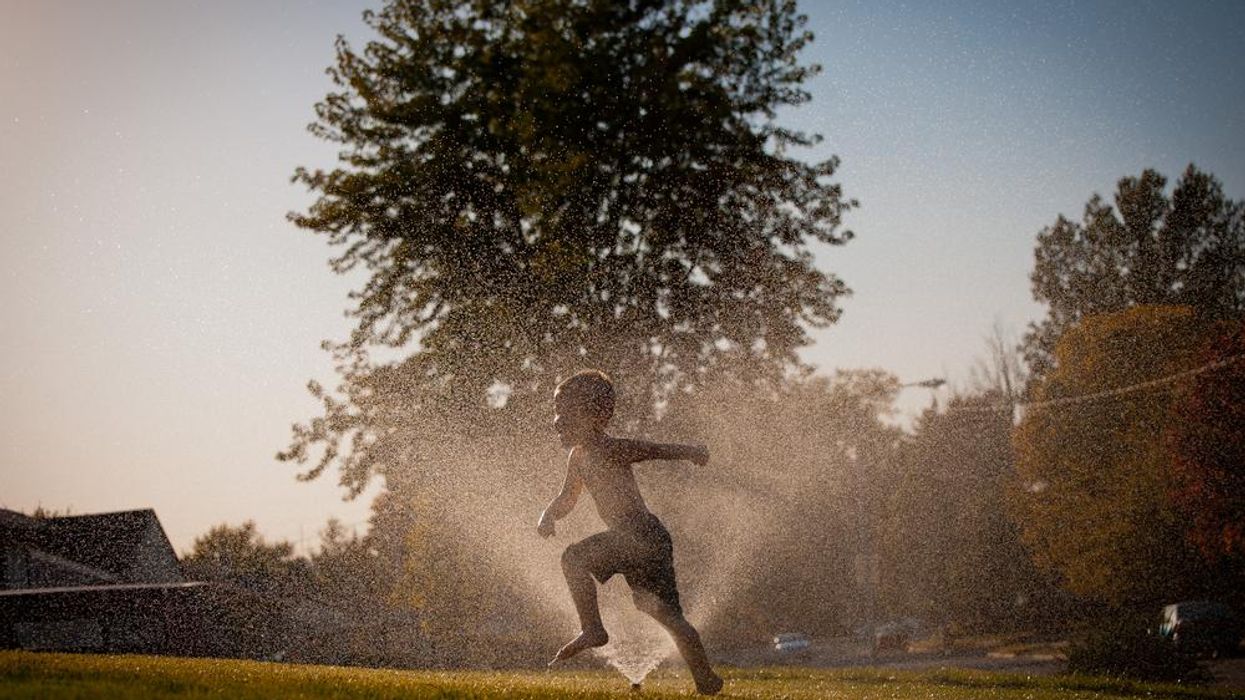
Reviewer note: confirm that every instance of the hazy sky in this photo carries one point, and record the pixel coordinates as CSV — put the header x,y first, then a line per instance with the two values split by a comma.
x,y
161,317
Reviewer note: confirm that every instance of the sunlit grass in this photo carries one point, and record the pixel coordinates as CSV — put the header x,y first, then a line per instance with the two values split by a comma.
x,y
59,676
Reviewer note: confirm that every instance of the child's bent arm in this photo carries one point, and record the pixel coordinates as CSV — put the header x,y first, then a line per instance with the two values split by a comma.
x,y
562,504
642,451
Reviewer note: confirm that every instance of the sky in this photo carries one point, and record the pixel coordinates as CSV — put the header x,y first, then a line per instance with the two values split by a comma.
x,y
162,318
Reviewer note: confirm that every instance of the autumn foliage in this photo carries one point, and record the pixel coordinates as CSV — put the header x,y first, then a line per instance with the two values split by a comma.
x,y
1131,465
1093,477
1206,440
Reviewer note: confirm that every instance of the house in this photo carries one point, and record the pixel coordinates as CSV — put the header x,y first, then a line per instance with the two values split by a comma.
x,y
111,582
83,550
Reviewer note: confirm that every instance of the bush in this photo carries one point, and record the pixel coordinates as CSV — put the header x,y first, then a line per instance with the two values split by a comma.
x,y
1122,646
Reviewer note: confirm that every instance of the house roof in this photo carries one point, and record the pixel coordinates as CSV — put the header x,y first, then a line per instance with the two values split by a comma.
x,y
108,541
16,526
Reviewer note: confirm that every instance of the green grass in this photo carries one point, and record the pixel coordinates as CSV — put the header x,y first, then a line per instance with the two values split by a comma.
x,y
61,676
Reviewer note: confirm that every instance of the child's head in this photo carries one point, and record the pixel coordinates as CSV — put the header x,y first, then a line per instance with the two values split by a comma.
x,y
583,406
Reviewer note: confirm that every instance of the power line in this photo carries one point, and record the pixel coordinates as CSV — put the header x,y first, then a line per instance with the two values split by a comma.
x,y
1095,396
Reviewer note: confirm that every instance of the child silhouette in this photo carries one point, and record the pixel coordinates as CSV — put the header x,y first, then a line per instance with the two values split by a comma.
x,y
636,544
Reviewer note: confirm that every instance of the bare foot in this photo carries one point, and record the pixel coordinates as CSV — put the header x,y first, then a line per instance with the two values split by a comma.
x,y
708,684
585,640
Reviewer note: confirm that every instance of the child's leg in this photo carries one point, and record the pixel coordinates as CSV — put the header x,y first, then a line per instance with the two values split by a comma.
x,y
685,638
577,562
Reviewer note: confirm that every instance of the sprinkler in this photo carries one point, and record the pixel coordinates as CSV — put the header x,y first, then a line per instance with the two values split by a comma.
x,y
635,687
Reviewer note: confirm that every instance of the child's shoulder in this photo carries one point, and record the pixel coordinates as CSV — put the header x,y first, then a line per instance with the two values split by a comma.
x,y
621,450
610,451
584,456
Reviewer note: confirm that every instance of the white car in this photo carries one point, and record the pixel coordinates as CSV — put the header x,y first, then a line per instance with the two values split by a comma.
x,y
790,641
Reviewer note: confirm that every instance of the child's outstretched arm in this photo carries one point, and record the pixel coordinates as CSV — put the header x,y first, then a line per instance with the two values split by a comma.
x,y
562,504
642,451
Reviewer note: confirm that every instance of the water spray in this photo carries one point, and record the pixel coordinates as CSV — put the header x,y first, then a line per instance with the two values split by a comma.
x,y
637,644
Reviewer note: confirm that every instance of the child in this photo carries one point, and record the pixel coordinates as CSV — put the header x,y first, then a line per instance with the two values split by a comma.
x,y
636,544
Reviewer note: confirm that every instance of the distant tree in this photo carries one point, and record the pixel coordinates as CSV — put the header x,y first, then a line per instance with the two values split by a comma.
x,y
41,513
536,187
1093,478
239,555
348,570
1206,439
1002,370
950,552
352,579
1150,248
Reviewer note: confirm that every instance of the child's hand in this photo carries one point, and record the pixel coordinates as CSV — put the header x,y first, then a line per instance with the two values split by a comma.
x,y
700,455
545,527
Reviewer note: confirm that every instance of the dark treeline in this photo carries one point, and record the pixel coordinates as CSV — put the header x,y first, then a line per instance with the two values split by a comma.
x,y
337,605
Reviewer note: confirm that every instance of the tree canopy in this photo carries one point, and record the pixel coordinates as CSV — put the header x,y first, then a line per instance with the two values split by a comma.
x,y
533,187
240,555
1093,479
1185,249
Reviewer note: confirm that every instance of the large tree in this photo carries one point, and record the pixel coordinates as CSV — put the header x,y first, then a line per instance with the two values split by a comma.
x,y
1186,248
537,186
533,187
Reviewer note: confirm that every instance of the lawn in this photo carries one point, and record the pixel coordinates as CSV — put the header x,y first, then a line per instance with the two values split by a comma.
x,y
58,676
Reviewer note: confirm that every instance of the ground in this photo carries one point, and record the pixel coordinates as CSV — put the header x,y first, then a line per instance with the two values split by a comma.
x,y
58,676
1017,654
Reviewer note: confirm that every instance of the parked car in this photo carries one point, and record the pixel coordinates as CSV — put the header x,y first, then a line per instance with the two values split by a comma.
x,y
790,641
1202,626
